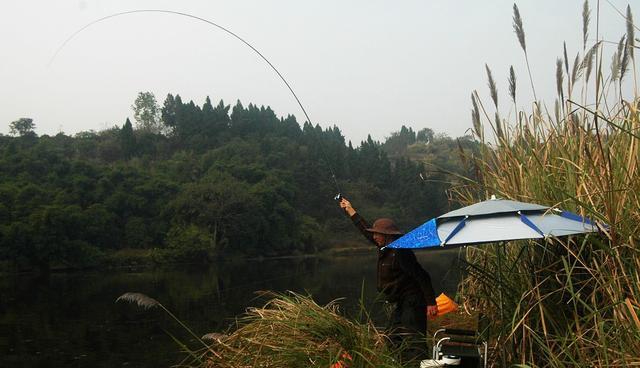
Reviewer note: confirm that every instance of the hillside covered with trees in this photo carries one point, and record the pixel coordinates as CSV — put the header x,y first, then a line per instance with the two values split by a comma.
x,y
193,182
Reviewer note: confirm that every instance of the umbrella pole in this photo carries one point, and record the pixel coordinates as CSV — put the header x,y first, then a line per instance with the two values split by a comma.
x,y
500,252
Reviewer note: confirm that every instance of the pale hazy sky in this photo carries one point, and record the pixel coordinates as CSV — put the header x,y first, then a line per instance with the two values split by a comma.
x,y
367,66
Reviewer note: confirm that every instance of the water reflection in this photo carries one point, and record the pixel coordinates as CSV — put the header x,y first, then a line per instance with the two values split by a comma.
x,y
71,319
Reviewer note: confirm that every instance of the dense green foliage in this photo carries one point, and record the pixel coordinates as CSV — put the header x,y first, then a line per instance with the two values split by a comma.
x,y
212,181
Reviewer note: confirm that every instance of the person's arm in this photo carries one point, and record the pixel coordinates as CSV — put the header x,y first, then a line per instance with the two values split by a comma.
x,y
409,264
358,220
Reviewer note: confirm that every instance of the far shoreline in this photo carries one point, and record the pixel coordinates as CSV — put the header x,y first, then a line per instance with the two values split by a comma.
x,y
138,259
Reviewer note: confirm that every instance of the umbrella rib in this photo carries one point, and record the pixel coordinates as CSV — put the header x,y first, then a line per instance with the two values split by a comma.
x,y
528,222
575,217
455,230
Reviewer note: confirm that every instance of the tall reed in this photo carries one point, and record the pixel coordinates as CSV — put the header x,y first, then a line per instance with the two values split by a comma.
x,y
574,301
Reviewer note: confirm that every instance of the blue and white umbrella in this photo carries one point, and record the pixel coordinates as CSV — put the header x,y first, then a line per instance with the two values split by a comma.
x,y
494,220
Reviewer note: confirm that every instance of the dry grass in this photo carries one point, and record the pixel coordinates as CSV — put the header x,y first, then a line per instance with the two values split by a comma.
x,y
570,302
291,330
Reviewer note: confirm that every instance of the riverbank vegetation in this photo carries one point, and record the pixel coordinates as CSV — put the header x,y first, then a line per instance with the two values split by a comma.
x,y
291,330
568,302
193,182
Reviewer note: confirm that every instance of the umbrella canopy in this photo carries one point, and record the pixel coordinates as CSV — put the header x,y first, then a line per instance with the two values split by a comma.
x,y
494,220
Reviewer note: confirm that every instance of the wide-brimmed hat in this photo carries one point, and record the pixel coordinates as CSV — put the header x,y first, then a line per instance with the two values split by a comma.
x,y
385,226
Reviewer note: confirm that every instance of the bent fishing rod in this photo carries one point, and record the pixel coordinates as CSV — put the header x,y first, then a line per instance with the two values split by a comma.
x,y
228,31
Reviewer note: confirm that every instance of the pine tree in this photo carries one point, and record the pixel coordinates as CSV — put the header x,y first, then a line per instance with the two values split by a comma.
x,y
127,140
169,111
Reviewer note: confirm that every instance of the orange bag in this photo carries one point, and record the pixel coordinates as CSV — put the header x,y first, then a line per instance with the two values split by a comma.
x,y
445,304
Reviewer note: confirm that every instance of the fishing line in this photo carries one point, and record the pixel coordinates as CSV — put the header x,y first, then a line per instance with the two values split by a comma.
x,y
221,28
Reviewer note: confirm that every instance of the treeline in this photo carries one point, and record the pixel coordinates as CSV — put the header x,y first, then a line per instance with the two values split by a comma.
x,y
199,182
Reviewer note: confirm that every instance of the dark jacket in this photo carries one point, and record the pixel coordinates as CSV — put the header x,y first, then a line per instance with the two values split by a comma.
x,y
399,273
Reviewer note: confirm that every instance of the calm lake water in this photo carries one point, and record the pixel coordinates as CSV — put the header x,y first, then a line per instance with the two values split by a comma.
x,y
72,320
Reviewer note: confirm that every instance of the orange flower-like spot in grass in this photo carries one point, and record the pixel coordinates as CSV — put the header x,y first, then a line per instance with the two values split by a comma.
x,y
341,363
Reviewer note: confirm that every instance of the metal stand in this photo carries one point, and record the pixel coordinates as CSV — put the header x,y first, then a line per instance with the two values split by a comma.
x,y
467,345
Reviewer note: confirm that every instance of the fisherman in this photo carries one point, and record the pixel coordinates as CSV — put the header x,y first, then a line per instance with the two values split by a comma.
x,y
403,281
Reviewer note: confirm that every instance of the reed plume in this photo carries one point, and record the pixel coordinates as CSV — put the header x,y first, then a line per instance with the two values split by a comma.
x,y
492,86
147,302
559,79
615,67
475,118
498,127
566,58
518,28
512,84
576,72
143,301
631,44
630,32
621,44
624,64
586,16
587,62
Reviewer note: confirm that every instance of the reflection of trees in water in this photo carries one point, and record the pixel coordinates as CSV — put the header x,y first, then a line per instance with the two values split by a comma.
x,y
71,318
